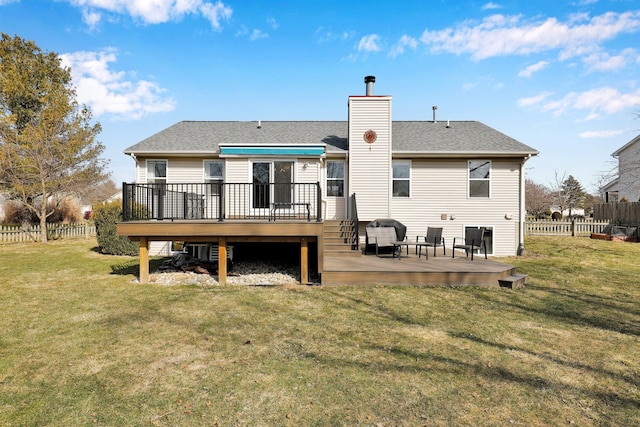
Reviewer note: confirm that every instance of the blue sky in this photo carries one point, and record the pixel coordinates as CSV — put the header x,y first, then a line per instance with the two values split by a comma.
x,y
560,76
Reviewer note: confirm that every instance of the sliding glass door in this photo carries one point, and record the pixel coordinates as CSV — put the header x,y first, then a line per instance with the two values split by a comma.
x,y
272,183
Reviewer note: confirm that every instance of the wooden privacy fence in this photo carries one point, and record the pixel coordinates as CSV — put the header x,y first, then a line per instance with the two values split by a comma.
x,y
18,233
627,213
575,227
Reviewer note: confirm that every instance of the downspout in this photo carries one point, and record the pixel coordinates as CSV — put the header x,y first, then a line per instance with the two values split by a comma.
x,y
523,210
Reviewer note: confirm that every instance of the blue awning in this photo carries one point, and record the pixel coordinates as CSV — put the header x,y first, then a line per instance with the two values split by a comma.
x,y
253,150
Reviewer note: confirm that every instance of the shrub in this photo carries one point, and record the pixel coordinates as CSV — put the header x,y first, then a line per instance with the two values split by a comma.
x,y
16,213
105,217
67,211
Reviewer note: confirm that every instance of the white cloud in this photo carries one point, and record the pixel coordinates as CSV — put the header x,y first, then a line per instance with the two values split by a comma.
x,y
491,5
272,23
258,34
325,35
597,102
601,133
533,68
92,19
109,92
500,35
369,43
603,61
158,11
533,100
404,42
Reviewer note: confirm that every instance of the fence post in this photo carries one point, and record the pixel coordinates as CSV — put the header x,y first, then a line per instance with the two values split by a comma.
x,y
573,227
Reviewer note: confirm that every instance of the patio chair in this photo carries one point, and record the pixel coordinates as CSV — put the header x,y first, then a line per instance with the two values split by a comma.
x,y
473,240
434,238
382,237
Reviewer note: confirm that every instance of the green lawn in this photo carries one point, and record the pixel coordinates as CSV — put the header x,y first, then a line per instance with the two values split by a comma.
x,y
82,344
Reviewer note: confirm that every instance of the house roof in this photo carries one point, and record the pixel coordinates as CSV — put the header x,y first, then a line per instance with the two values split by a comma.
x,y
625,146
415,138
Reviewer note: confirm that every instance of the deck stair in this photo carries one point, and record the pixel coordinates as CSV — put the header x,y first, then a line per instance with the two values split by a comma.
x,y
513,282
339,238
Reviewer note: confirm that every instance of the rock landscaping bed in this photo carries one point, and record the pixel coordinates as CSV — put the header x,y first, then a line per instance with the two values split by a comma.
x,y
182,269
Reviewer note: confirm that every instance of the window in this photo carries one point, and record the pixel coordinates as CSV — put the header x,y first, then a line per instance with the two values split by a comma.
x,y
156,171
479,178
401,178
213,171
335,178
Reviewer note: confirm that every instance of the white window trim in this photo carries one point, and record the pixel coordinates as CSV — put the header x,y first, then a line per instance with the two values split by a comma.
x,y
410,178
469,179
146,169
344,178
204,169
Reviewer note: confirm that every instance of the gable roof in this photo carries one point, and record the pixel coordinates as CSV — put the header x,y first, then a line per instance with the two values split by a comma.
x,y
625,146
419,138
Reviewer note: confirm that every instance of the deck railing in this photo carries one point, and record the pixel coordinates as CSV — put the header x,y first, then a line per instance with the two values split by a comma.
x,y
219,201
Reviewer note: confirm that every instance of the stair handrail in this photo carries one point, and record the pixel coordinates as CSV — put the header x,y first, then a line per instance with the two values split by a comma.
x,y
352,215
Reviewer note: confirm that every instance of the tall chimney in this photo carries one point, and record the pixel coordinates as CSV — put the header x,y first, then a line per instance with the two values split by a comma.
x,y
369,81
435,107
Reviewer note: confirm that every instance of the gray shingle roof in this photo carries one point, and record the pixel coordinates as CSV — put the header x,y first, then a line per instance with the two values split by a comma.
x,y
416,137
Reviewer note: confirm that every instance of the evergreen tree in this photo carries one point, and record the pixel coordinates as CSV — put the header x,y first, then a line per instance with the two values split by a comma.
x,y
573,194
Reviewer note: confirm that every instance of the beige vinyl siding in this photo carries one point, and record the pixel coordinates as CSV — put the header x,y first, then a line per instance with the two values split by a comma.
x,y
440,187
370,164
185,170
179,170
159,248
237,170
310,174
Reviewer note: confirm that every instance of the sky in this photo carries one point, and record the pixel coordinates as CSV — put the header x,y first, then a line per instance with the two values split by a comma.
x,y
560,76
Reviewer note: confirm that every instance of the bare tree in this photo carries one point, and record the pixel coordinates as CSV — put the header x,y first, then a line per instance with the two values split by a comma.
x,y
537,198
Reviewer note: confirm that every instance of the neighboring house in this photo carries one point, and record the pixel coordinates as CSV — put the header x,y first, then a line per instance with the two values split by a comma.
x,y
627,184
452,174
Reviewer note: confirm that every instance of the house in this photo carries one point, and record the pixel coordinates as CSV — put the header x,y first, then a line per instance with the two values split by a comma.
x,y
219,182
627,184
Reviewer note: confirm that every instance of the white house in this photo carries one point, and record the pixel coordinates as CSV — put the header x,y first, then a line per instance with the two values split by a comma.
x,y
450,174
627,183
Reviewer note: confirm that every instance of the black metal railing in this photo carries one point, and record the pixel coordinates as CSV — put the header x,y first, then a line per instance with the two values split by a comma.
x,y
352,215
220,201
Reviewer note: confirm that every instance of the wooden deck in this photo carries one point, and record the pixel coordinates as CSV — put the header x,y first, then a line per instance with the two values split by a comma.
x,y
335,266
411,270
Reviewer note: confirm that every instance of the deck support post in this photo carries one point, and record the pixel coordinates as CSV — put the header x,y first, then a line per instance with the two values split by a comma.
x,y
222,260
144,260
304,261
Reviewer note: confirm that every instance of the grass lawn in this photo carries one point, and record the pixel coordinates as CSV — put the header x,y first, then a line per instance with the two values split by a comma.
x,y
82,344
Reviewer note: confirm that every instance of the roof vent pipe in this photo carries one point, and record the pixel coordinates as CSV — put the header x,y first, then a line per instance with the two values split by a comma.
x,y
369,81
435,107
